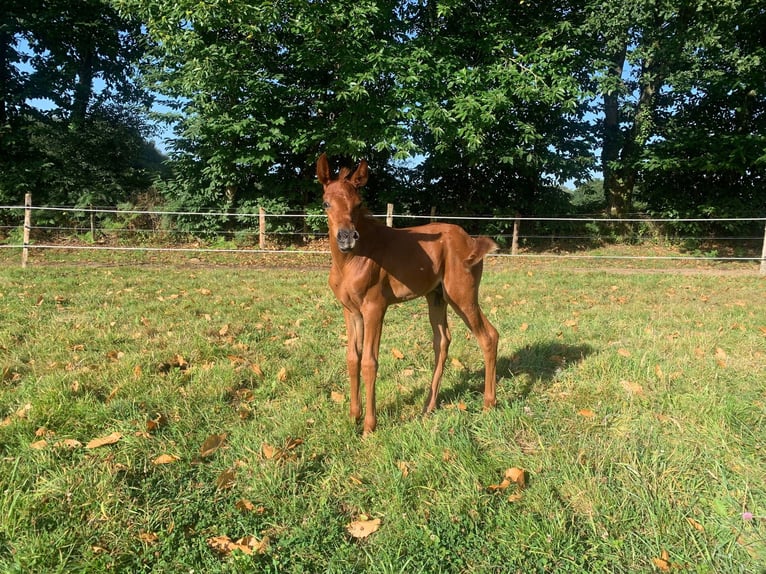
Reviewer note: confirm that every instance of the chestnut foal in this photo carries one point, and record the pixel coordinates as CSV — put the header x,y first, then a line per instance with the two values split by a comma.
x,y
374,266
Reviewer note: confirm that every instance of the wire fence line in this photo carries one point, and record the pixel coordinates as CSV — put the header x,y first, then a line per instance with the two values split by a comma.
x,y
273,237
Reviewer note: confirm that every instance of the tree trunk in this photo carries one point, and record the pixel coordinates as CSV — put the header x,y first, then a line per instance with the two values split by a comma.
x,y
618,197
84,86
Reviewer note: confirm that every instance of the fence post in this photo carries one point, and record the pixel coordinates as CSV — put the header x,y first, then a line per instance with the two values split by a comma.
x,y
261,228
433,213
515,240
763,253
390,214
92,224
27,228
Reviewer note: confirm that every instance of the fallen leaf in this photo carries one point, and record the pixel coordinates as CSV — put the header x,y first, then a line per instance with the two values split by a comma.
x,y
247,544
694,524
515,497
337,397
227,479
632,388
39,444
663,562
268,451
166,459
397,354
292,443
257,371
177,362
148,537
623,352
363,528
457,364
104,440
156,423
23,411
282,375
517,475
223,330
587,413
115,356
721,356
68,443
524,327
460,405
502,486
404,467
244,505
212,444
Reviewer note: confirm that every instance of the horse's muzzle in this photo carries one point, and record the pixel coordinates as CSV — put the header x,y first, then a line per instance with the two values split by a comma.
x,y
347,239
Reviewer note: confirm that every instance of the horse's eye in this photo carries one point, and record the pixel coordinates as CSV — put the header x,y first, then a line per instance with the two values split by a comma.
x,y
325,205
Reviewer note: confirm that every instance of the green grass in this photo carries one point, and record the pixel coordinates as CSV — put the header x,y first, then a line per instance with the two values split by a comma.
x,y
636,404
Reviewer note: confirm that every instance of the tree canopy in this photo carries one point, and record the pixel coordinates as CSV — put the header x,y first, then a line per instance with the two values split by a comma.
x,y
480,106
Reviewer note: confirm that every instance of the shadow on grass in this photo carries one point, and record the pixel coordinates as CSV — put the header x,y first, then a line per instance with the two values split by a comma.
x,y
541,362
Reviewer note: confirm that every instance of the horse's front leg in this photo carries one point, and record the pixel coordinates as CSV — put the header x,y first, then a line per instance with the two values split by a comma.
x,y
373,325
355,334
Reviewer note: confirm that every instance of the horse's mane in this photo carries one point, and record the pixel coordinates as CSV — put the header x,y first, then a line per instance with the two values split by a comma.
x,y
345,173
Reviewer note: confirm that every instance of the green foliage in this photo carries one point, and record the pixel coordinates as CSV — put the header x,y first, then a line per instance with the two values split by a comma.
x,y
88,146
475,107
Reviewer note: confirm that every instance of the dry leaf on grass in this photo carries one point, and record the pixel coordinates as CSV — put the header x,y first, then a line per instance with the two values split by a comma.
x,y
69,443
156,423
397,354
337,397
363,528
245,506
457,364
227,479
166,459
270,452
663,562
257,371
104,440
514,475
247,544
212,444
586,413
694,524
632,388
148,538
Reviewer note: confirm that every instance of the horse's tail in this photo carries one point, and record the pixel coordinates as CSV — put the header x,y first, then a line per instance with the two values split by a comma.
x,y
481,246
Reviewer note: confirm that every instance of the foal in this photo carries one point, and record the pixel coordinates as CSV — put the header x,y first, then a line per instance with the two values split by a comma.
x,y
374,266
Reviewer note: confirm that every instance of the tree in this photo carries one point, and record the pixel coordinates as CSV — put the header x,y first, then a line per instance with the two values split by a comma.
x,y
661,63
79,57
498,113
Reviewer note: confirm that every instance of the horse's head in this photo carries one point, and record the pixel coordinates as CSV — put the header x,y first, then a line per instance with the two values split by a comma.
x,y
342,202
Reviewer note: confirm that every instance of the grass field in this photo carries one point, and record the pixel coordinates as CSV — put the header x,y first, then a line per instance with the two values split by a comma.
x,y
188,418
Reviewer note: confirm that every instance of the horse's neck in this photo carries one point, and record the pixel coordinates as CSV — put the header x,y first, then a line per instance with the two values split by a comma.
x,y
370,231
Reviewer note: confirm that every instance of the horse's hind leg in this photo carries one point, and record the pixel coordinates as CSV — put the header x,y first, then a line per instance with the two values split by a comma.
x,y
463,295
437,313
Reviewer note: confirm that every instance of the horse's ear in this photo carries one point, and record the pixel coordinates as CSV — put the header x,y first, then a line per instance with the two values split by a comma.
x,y
359,179
323,170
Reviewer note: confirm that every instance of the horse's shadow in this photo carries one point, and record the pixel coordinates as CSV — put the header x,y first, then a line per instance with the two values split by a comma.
x,y
541,362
